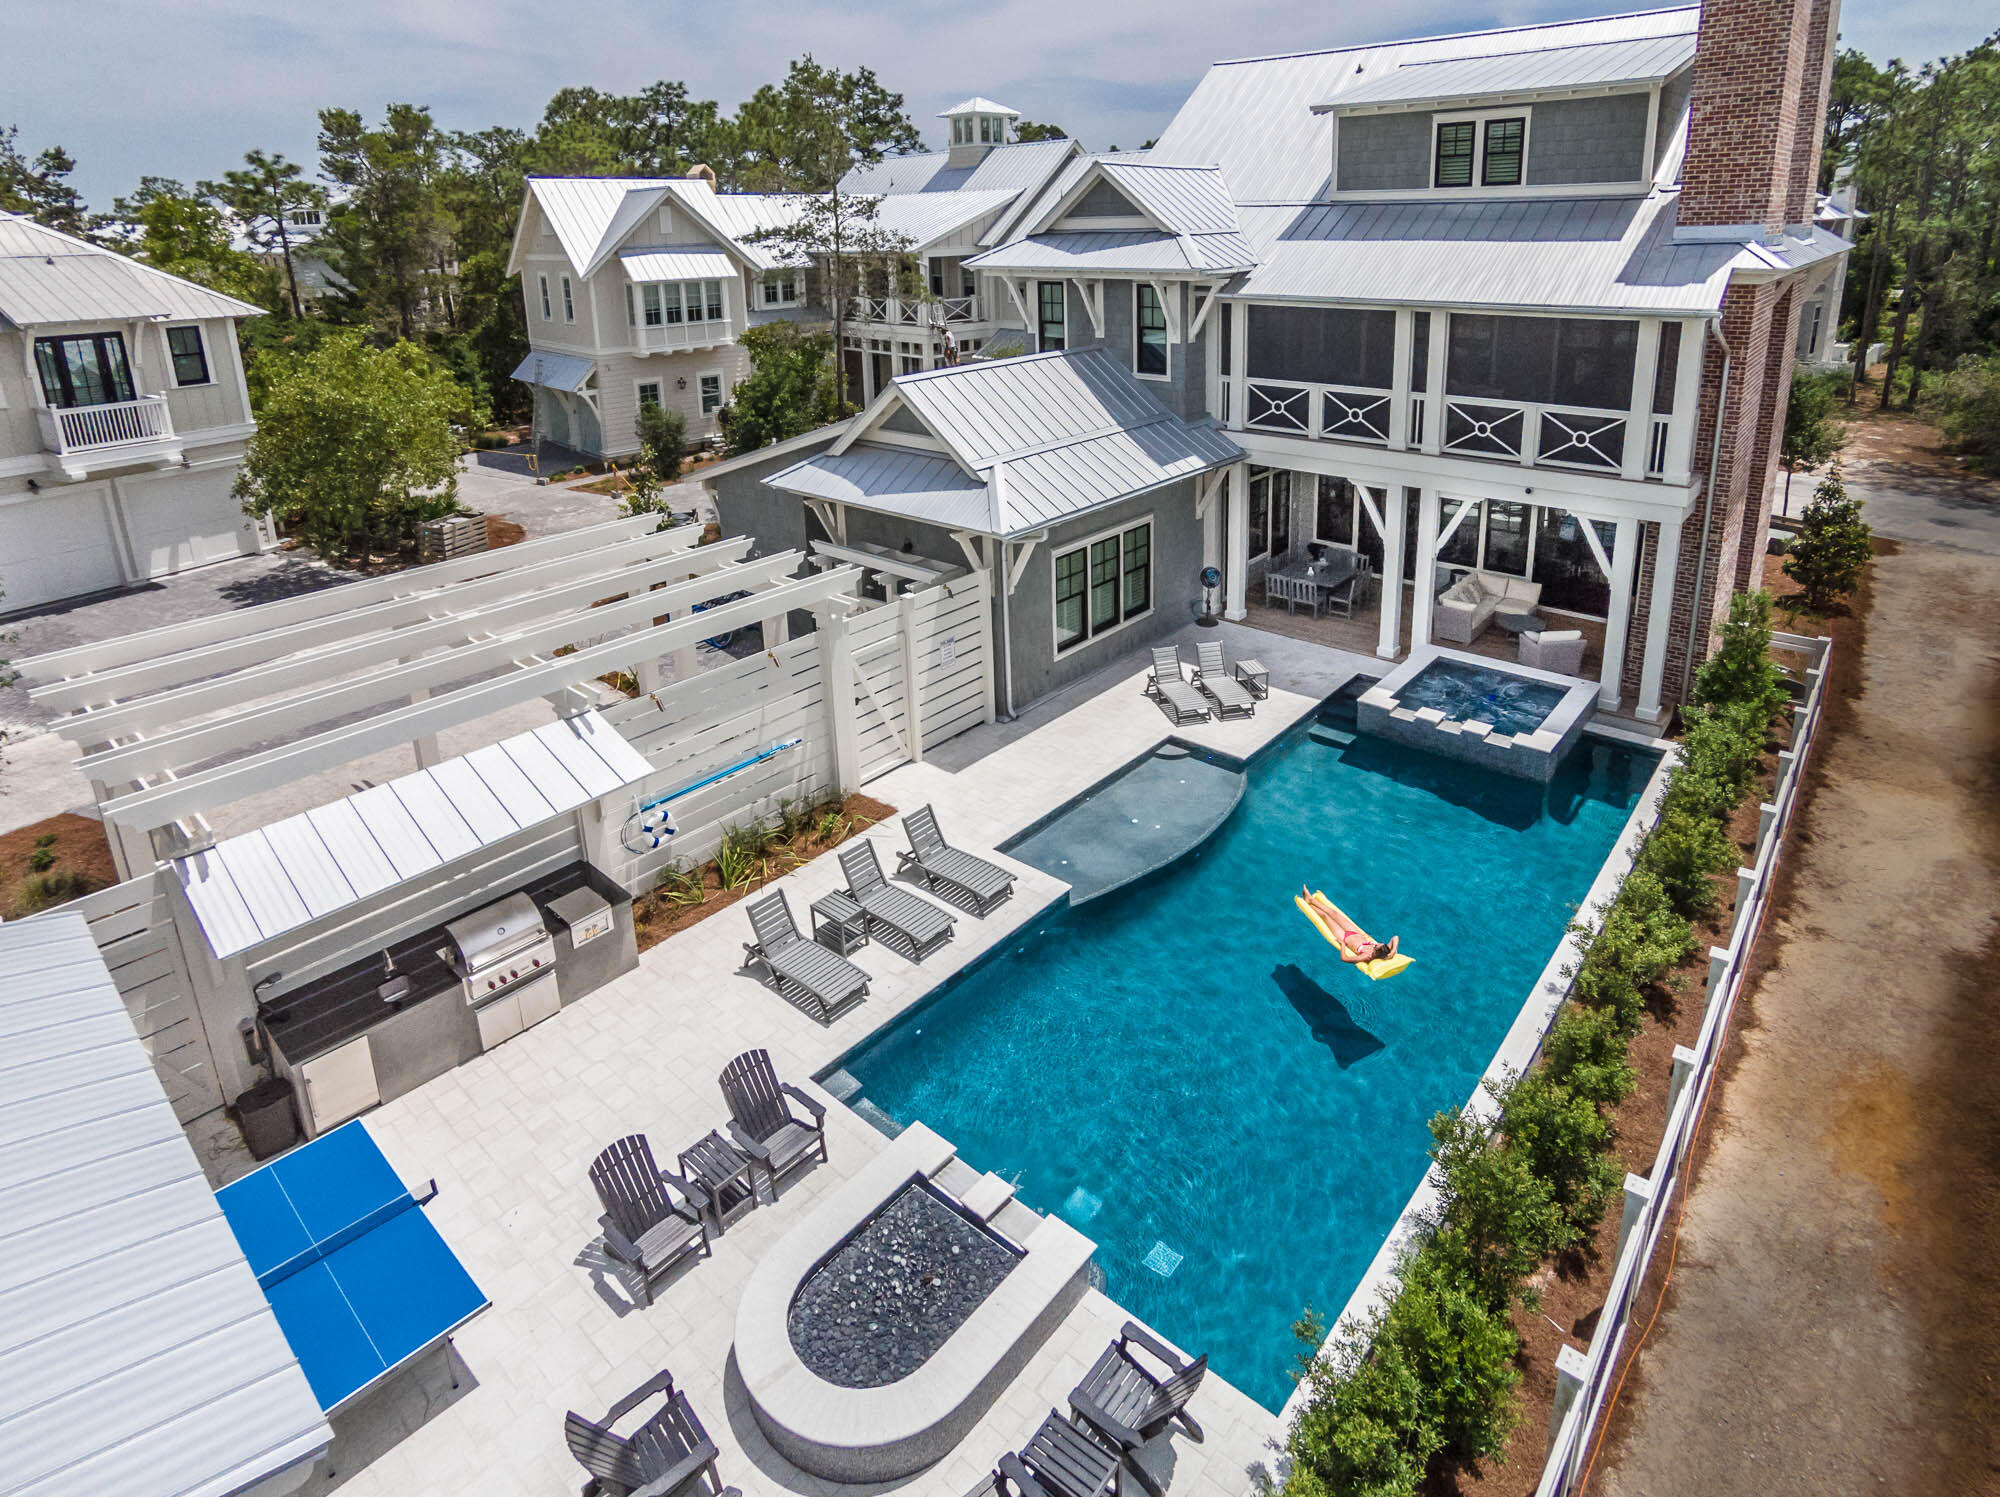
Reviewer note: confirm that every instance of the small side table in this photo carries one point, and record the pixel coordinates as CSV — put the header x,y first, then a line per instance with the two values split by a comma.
x,y
723,1170
839,923
1256,680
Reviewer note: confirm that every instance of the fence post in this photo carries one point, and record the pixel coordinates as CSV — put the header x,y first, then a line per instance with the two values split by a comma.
x,y
1767,817
1746,890
836,665
1718,968
913,695
1572,1371
1638,1196
1685,1060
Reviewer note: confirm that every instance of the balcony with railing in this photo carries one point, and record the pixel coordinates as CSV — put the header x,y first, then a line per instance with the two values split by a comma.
x,y
680,337
90,436
914,312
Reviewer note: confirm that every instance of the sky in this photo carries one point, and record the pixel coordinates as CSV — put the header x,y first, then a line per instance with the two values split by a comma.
x,y
181,88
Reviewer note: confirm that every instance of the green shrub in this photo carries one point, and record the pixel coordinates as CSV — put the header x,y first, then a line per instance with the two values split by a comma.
x,y
1462,1353
1740,671
1585,1051
1498,1219
1638,939
663,440
1564,1139
41,891
739,856
1966,406
1833,546
1684,850
1365,1428
41,860
1719,749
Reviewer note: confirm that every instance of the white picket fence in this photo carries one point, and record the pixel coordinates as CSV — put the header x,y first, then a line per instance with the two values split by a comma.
x,y
1585,1379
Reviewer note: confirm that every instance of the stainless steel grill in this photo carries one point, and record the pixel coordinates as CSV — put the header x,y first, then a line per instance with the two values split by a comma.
x,y
498,947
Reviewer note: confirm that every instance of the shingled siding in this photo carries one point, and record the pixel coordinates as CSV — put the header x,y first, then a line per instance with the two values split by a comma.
x,y
1588,140
1383,152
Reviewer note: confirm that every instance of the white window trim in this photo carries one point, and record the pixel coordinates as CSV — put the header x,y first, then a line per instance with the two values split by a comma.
x,y
638,399
1168,344
775,280
547,314
722,382
569,300
1056,650
207,356
1523,112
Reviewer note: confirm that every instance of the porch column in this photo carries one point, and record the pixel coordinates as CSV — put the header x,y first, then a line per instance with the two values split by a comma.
x,y
1390,630
1436,363
1659,617
1427,545
1624,563
1211,527
836,663
1236,572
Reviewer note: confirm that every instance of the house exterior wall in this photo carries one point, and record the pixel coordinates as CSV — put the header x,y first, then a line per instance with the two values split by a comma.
x,y
1384,152
1588,140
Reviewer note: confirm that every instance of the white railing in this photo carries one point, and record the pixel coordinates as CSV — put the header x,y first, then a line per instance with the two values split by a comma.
x,y
1550,435
900,311
1343,413
672,337
85,427
1584,1379
1656,446
1416,436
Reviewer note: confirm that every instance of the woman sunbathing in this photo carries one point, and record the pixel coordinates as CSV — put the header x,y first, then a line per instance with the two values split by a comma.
x,y
1354,944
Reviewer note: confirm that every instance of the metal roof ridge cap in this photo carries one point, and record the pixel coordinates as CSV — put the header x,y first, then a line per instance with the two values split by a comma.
x,y
1041,449
1455,36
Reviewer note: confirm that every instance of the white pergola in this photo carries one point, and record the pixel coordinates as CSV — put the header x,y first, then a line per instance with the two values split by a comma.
x,y
181,720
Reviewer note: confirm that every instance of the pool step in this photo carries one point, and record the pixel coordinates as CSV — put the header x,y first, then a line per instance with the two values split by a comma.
x,y
988,1197
956,1178
1331,736
840,1085
869,1113
1015,1222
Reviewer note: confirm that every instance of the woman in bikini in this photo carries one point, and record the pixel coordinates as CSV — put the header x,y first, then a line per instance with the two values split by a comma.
x,y
1356,945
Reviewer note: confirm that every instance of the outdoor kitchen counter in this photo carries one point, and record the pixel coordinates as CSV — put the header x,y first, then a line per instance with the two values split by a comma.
x,y
323,1015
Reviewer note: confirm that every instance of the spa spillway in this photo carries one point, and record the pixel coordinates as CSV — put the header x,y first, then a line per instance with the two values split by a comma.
x,y
873,1335
1494,713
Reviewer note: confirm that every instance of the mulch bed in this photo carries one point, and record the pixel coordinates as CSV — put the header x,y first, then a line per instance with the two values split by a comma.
x,y
1572,1289
82,862
655,917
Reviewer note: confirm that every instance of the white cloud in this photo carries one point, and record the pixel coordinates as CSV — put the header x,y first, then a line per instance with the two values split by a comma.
x,y
183,89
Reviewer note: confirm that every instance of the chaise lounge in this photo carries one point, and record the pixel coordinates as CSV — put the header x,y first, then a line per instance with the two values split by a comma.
x,y
1466,607
970,883
909,926
823,984
1231,697
1166,685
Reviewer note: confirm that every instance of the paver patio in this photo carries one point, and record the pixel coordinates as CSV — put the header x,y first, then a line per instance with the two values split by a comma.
x,y
509,1136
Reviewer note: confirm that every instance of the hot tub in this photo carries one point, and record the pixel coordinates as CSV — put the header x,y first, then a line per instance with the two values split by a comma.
x,y
1511,718
880,1381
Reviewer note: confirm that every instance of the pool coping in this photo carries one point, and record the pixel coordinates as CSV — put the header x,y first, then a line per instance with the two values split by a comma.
x,y
1517,1051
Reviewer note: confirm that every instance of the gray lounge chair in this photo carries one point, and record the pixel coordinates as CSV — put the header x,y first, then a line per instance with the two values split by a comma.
x,y
968,882
762,1120
1166,685
651,1219
907,925
667,1455
1231,697
1128,1403
1064,1459
823,984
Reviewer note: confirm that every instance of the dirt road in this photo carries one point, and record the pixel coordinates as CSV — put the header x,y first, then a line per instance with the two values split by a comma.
x,y
1834,1321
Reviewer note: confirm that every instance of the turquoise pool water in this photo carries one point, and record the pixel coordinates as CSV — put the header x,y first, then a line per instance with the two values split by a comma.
x,y
1185,1071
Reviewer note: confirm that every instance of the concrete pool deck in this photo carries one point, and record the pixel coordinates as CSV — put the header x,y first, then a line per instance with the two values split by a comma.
x,y
510,1135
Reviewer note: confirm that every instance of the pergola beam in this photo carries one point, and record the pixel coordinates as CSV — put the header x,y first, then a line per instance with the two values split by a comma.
x,y
158,805
303,710
101,725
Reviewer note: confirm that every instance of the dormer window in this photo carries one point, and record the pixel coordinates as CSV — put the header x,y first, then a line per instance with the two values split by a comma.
x,y
1488,149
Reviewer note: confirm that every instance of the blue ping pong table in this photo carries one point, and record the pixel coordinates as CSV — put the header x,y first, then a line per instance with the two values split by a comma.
x,y
359,1279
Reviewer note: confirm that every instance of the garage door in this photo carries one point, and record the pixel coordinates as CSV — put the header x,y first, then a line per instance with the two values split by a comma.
x,y
181,519
55,546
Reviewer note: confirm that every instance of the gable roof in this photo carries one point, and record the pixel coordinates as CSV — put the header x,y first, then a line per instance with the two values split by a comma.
x,y
1520,75
1259,120
1194,226
591,216
925,217
1026,442
47,276
1024,168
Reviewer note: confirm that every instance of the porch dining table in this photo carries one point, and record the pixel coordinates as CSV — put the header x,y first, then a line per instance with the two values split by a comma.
x,y
1333,575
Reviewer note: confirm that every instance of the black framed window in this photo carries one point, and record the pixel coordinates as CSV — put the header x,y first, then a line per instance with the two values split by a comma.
x,y
1102,584
1138,570
1333,512
1149,356
86,369
1455,144
1667,371
1072,572
190,359
649,394
1051,311
1567,568
1500,163
1507,525
544,281
569,301
1228,337
1104,609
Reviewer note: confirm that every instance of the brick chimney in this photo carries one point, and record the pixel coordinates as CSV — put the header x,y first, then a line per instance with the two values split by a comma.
x,y
1761,75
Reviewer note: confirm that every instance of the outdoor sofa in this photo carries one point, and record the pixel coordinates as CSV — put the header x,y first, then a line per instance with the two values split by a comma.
x,y
1466,607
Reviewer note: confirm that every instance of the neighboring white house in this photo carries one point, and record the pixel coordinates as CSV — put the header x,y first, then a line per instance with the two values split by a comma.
x,y
123,416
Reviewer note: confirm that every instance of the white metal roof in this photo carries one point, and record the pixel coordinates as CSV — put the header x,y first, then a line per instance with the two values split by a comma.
x,y
925,217
246,890
555,371
677,264
1640,60
591,215
137,1354
1024,167
48,277
1102,252
1046,436
1182,199
1255,117
978,105
1570,254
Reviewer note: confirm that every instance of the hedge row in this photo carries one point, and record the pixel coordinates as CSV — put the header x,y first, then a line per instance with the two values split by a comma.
x,y
1430,1379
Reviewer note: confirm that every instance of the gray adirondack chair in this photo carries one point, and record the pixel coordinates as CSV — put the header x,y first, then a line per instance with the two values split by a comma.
x,y
1231,697
910,926
970,883
822,983
651,1219
763,1120
668,1455
1166,685
1129,1403
1063,1459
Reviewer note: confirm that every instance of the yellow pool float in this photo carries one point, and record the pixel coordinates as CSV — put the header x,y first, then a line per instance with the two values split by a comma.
x,y
1330,922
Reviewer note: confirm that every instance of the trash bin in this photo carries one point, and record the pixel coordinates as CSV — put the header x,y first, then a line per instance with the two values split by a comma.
x,y
265,1115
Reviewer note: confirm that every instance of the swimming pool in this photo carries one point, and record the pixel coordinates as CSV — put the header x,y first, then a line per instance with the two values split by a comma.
x,y
1185,1072
1463,692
